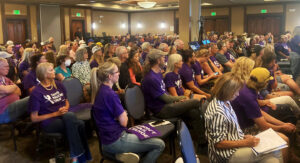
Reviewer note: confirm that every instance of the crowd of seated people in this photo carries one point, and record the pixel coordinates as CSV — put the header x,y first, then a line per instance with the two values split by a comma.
x,y
237,75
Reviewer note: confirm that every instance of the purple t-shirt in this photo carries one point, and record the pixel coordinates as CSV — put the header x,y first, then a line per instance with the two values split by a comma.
x,y
187,74
198,69
23,67
6,100
93,64
107,108
30,80
229,56
144,56
47,101
246,107
214,60
173,80
153,87
271,82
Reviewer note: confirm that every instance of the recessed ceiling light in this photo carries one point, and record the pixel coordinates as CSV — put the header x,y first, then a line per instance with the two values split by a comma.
x,y
270,0
206,4
92,1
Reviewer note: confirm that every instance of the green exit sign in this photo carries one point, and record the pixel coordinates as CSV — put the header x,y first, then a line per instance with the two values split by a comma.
x,y
213,13
263,11
16,12
78,14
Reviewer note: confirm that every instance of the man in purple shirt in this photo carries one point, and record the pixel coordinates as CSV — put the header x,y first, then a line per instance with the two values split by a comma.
x,y
187,73
164,105
247,108
249,112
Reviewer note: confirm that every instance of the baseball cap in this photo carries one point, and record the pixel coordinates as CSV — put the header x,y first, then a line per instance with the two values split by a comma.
x,y
81,42
90,40
4,54
95,49
261,75
155,54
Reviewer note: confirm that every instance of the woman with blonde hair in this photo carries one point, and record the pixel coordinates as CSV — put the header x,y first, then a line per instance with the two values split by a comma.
x,y
25,63
49,105
97,57
63,50
109,51
208,66
111,120
242,68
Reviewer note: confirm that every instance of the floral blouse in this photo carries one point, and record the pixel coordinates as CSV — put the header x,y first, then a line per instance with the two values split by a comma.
x,y
82,71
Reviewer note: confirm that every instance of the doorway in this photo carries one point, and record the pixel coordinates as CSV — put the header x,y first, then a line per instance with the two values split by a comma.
x,y
219,25
75,25
262,24
16,30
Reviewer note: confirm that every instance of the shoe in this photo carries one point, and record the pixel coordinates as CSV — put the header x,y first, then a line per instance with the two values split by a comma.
x,y
128,157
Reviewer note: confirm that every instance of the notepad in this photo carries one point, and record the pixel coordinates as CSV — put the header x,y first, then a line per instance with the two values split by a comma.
x,y
269,141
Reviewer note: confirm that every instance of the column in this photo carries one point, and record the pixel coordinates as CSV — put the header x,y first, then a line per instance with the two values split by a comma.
x,y
189,20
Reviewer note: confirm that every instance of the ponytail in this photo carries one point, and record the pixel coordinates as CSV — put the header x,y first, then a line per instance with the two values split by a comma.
x,y
95,83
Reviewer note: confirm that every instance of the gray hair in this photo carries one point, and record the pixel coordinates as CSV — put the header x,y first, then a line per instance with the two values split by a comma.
x,y
162,46
145,46
177,42
120,50
80,54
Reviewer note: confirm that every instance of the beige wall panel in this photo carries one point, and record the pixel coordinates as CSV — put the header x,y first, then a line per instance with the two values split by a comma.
x,y
219,11
270,9
151,22
67,23
9,8
292,17
184,22
33,23
88,20
1,30
110,22
237,20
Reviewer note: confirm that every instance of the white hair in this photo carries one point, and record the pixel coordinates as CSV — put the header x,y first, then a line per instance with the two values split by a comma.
x,y
145,45
162,46
177,42
120,50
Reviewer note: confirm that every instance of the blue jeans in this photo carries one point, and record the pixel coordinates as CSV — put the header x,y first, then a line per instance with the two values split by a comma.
x,y
14,111
74,130
153,147
295,64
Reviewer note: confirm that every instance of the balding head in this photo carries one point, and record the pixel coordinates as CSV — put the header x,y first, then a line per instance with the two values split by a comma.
x,y
4,67
179,44
163,47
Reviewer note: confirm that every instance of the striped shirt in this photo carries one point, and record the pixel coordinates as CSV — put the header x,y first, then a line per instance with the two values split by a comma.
x,y
221,124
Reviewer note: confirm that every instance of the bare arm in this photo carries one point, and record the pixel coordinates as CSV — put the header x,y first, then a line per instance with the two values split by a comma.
x,y
228,64
123,119
172,91
248,141
59,77
192,87
201,81
8,89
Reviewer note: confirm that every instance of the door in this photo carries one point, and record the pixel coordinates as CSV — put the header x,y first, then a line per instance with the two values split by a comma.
x,y
75,25
16,31
219,25
263,24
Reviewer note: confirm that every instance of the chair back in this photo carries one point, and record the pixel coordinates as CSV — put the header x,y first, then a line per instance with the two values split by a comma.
x,y
74,90
97,131
186,143
134,102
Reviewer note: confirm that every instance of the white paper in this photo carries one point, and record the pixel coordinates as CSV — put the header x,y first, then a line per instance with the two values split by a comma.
x,y
269,141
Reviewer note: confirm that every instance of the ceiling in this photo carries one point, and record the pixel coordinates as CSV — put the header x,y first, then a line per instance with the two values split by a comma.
x,y
128,5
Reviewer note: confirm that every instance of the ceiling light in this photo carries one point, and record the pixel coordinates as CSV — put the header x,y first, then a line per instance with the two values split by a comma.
x,y
146,4
206,4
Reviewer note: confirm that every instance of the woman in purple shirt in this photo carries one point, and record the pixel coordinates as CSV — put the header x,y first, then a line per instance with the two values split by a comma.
x,y
111,120
49,105
24,64
30,80
97,57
